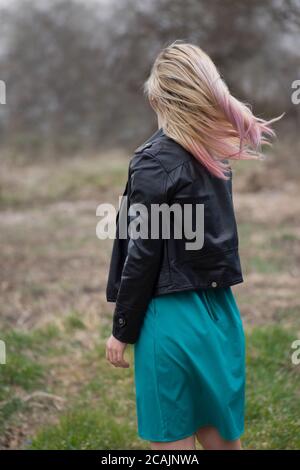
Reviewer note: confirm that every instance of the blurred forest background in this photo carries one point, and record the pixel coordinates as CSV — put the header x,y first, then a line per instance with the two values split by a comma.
x,y
74,72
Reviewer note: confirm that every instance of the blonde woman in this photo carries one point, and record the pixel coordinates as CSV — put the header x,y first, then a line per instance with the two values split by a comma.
x,y
173,298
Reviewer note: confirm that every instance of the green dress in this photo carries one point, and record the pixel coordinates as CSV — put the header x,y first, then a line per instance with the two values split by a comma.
x,y
190,366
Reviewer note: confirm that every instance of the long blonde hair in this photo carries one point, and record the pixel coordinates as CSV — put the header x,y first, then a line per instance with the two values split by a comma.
x,y
198,111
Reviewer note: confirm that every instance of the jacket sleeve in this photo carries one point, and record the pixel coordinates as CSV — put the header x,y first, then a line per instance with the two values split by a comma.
x,y
148,184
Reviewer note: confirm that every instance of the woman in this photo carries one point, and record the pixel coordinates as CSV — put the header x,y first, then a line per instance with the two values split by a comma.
x,y
173,297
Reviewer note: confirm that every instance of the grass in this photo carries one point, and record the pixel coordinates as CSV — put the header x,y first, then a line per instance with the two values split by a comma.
x,y
74,321
266,251
103,417
288,316
25,370
264,265
54,270
23,350
82,178
86,429
272,418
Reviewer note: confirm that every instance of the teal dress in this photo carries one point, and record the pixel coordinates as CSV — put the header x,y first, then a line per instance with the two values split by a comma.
x,y
190,366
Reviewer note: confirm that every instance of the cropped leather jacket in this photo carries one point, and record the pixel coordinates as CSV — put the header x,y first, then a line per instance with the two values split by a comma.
x,y
161,171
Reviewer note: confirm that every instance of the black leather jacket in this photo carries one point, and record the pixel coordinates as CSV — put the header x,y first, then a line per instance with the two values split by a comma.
x,y
162,171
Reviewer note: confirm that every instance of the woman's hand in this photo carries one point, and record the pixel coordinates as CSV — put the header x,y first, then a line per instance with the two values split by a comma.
x,y
115,352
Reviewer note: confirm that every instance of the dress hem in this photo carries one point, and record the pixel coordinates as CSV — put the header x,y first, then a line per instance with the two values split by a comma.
x,y
184,436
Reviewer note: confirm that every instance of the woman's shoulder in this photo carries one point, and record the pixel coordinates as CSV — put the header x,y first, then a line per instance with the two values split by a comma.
x,y
163,151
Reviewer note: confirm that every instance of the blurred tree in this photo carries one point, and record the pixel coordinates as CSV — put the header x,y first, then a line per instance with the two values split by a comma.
x,y
55,69
75,70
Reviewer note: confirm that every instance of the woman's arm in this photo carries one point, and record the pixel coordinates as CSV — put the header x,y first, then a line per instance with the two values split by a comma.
x,y
148,185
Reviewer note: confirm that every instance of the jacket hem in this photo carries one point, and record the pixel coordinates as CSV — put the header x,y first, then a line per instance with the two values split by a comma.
x,y
164,290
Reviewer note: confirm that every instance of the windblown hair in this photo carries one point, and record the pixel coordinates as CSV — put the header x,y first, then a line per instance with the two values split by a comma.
x,y
198,111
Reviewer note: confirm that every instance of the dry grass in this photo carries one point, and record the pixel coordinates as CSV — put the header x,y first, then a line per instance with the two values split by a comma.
x,y
54,269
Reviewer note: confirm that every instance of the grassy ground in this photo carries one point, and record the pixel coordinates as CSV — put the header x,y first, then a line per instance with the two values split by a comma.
x,y
56,390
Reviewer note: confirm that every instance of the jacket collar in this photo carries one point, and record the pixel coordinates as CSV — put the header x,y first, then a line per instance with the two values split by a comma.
x,y
156,134
151,139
